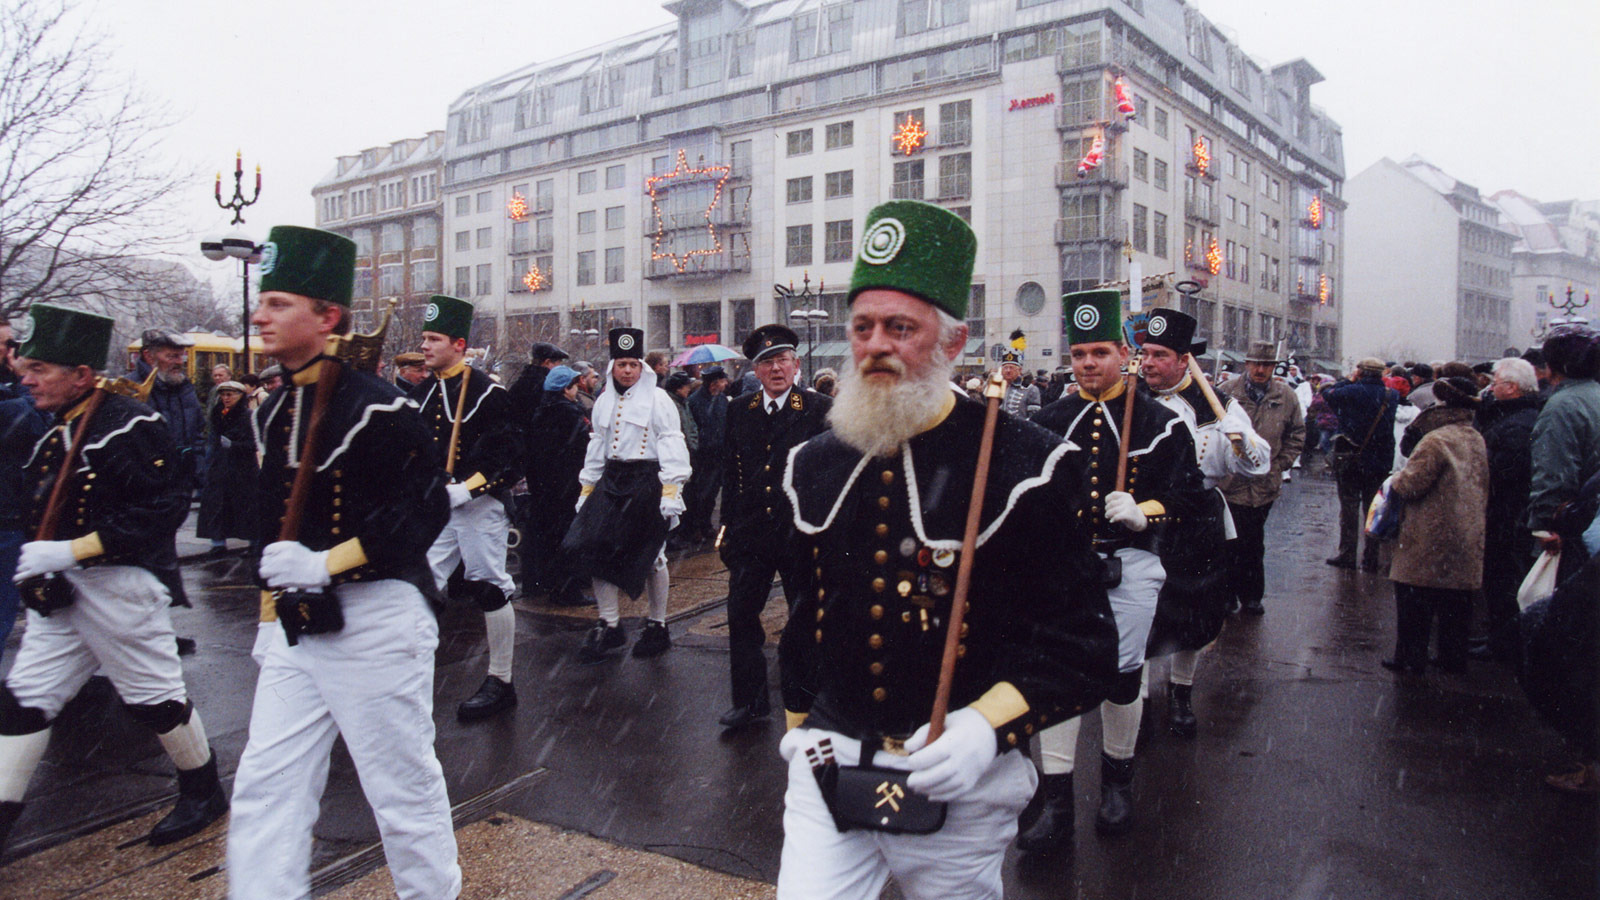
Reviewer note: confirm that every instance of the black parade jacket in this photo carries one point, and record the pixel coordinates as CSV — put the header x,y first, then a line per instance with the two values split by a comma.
x,y
377,498
489,449
881,543
755,511
126,496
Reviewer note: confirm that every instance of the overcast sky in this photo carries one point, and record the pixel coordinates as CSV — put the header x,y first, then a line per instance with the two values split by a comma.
x,y
1497,100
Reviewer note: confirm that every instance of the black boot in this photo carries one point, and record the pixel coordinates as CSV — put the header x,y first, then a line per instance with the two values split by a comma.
x,y
1116,796
493,697
654,640
601,638
1180,715
9,811
1052,831
200,802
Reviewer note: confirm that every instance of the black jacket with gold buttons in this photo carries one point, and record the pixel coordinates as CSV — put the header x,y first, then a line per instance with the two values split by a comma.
x,y
377,498
755,510
881,543
490,446
1163,475
126,497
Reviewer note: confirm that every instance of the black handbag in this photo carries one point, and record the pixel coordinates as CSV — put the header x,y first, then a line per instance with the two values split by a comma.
x,y
872,798
308,612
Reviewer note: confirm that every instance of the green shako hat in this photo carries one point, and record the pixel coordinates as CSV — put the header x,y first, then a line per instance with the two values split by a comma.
x,y
919,249
1093,316
448,316
316,264
66,337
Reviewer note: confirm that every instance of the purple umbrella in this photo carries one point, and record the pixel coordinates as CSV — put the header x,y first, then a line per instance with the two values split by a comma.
x,y
704,353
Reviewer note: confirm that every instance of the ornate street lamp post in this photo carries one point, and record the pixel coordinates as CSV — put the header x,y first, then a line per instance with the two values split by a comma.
x,y
805,307
236,244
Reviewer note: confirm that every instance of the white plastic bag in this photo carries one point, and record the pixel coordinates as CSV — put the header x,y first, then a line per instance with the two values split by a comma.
x,y
1541,580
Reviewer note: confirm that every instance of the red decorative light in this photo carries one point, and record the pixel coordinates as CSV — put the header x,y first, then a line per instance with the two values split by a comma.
x,y
1124,99
1322,289
1314,211
518,207
1092,159
680,262
535,279
1214,257
1202,155
908,135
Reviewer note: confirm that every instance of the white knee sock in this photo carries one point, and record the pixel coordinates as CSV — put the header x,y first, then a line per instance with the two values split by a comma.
x,y
19,756
501,627
1183,666
655,589
187,744
605,600
1120,725
1058,746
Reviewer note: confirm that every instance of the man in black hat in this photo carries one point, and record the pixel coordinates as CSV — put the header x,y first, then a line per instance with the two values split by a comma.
x,y
631,496
469,417
95,602
351,589
1194,600
709,404
757,522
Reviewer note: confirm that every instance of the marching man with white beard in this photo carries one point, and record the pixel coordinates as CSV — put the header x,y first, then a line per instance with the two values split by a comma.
x,y
880,506
1127,524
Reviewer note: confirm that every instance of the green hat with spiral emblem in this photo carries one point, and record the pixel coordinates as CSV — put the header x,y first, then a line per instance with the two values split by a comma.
x,y
1093,316
919,249
448,316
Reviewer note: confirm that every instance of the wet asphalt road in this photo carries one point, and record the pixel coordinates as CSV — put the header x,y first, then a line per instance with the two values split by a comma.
x,y
1316,773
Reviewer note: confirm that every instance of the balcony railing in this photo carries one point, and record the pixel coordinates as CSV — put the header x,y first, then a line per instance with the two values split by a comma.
x,y
724,263
692,219
1306,246
515,284
1089,229
1111,171
1201,209
531,245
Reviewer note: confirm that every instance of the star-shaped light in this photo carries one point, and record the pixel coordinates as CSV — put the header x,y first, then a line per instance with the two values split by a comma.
x,y
909,135
535,278
682,170
518,207
1214,257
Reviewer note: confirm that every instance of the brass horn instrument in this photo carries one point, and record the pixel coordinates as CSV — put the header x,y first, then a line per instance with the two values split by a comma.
x,y
364,352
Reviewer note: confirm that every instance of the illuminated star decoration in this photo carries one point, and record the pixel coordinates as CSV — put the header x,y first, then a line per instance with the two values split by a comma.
x,y
908,135
535,278
518,207
1322,288
1314,211
1092,159
1124,101
1214,257
1202,155
680,261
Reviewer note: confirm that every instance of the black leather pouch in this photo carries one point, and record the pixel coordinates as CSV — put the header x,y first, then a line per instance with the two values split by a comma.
x,y
876,799
44,594
308,612
1110,571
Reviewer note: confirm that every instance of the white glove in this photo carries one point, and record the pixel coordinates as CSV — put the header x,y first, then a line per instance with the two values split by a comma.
x,y
1235,420
43,558
294,566
1121,509
951,766
581,497
459,494
671,507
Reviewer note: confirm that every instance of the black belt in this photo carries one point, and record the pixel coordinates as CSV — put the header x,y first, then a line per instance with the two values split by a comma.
x,y
1112,545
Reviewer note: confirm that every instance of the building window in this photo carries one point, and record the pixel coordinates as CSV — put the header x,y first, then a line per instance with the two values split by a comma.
x,y
585,267
739,159
799,142
615,176
614,274
1158,237
485,238
485,279
743,313
955,122
798,245
1141,234
839,184
1229,266
1244,264
485,201
463,205
425,275
1161,122
917,16
425,233
1160,174
955,176
907,180
363,282
839,241
1141,165
586,182
741,52
363,239
463,281
392,237
839,135
586,222
665,73
391,280
463,241
614,218
799,190
544,195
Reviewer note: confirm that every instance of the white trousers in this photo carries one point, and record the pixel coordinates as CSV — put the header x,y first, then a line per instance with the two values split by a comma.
x,y
118,623
960,861
1133,604
476,537
372,682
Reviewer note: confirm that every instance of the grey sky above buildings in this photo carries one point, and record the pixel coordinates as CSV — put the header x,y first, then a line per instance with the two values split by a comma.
x,y
1497,100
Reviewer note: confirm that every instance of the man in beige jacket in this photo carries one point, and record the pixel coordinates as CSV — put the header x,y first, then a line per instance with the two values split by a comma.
x,y
1275,414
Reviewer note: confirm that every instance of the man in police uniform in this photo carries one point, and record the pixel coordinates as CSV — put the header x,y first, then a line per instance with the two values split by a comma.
x,y
1126,524
377,501
1022,401
1194,599
880,503
121,505
762,429
487,457
631,495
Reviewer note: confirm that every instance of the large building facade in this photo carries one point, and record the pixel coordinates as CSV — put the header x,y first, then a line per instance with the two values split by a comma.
x,y
1556,258
1430,267
683,178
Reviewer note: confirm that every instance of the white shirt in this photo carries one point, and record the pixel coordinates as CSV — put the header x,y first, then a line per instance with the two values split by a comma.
x,y
641,423
1217,458
770,404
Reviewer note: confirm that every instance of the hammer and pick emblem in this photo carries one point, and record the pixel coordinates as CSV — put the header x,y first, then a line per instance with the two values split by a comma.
x,y
891,793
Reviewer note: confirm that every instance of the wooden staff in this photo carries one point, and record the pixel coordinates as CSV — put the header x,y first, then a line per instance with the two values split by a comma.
x,y
1131,384
455,429
51,519
993,392
1234,437
327,380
